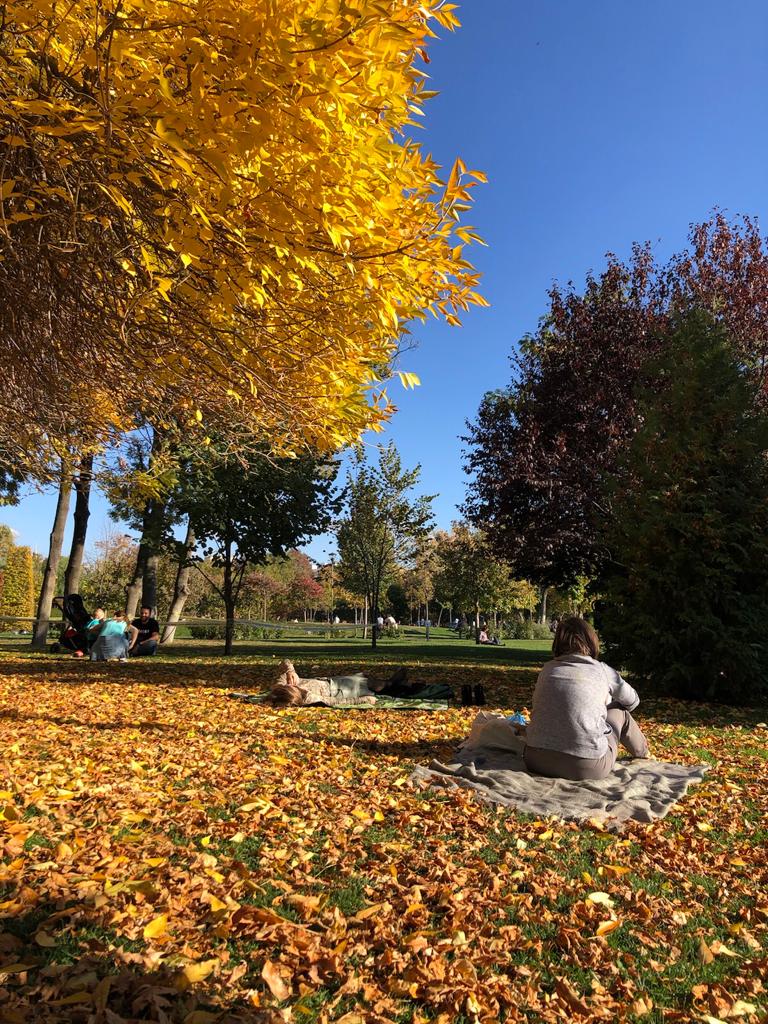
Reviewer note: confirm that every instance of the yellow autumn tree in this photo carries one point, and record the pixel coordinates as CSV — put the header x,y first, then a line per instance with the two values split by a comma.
x,y
216,211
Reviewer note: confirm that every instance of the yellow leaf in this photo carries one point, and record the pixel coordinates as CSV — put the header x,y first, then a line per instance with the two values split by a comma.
x,y
616,870
156,927
719,949
409,380
71,1000
601,898
703,826
199,971
741,1008
45,940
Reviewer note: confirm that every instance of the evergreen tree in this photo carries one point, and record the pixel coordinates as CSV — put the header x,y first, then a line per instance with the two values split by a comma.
x,y
16,592
686,596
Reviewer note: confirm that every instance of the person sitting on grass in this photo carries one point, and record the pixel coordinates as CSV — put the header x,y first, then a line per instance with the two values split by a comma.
x,y
93,628
148,629
484,638
116,637
581,710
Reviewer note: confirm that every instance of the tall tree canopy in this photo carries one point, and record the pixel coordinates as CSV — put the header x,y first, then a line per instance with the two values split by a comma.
x,y
383,525
686,590
540,451
216,212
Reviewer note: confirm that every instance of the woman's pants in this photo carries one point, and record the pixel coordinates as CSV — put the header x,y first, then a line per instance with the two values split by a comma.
x,y
108,647
556,765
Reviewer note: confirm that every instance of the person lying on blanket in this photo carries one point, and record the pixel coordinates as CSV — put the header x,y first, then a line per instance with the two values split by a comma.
x,y
290,688
581,710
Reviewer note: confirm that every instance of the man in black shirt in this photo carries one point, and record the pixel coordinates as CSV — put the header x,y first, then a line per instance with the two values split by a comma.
x,y
149,634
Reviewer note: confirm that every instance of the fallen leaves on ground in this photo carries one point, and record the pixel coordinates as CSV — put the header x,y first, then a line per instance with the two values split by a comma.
x,y
171,855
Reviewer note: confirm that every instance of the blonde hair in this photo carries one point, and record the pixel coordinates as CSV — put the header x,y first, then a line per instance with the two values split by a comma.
x,y
575,636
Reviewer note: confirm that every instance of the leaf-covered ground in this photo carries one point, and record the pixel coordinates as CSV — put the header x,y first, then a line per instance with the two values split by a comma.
x,y
172,855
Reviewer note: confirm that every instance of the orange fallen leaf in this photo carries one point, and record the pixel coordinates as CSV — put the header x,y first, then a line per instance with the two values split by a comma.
x,y
704,953
607,926
274,981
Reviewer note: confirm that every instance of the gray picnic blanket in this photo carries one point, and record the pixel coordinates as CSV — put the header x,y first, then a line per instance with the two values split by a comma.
x,y
490,762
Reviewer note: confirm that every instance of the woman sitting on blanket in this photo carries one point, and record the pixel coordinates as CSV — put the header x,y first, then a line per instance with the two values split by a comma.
x,y
581,710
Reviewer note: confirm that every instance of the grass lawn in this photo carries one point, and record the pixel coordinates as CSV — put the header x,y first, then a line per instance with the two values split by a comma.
x,y
170,855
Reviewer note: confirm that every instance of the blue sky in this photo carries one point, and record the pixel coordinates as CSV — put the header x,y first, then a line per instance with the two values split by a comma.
x,y
599,124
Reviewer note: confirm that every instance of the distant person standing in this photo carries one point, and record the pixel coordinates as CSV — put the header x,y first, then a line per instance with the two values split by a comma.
x,y
148,634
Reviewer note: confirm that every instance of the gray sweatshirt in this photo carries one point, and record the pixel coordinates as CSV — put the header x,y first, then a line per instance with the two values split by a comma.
x,y
570,700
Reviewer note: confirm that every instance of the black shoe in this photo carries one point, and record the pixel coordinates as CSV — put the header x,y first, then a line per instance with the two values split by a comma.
x,y
479,696
466,696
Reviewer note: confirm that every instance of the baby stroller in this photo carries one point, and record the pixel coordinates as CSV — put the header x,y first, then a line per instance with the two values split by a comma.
x,y
74,635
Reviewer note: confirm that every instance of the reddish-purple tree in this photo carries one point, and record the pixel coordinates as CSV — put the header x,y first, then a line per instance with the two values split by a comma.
x,y
540,451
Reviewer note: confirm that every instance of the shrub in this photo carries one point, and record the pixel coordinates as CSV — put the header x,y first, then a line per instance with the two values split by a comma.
x,y
525,630
206,631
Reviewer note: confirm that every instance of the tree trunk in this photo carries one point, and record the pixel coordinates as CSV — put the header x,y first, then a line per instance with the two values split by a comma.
x,y
543,606
375,617
133,590
82,512
229,601
47,590
149,582
181,588
152,539
144,581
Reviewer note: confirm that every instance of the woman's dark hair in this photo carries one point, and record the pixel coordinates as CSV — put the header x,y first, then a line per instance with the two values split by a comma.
x,y
575,636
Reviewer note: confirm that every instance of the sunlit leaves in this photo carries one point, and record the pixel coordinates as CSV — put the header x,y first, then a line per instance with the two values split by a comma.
x,y
214,858
230,189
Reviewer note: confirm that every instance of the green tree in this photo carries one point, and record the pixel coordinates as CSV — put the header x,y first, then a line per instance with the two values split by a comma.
x,y
17,585
470,578
242,513
686,598
382,527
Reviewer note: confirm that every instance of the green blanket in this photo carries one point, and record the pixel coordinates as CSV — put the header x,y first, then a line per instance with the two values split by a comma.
x,y
434,697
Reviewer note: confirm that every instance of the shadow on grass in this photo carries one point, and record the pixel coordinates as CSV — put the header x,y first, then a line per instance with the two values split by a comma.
x,y
412,751
90,971
448,652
